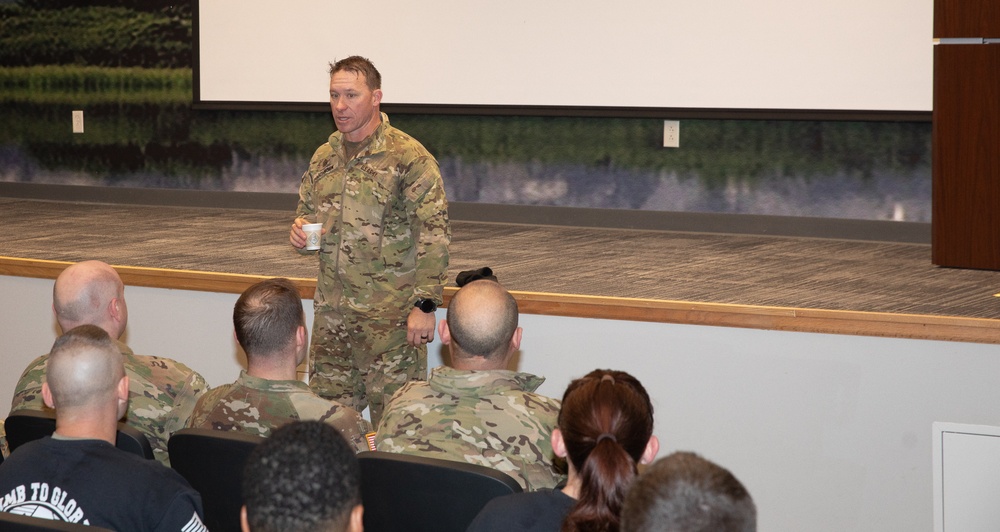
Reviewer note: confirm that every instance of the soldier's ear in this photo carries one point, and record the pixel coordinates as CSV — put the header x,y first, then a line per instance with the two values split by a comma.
x,y
515,340
47,396
444,333
558,445
649,454
357,519
301,338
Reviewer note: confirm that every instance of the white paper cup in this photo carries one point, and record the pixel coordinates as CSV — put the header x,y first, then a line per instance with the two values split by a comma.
x,y
314,233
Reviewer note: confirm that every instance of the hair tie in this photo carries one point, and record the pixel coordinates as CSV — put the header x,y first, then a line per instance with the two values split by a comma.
x,y
608,377
606,436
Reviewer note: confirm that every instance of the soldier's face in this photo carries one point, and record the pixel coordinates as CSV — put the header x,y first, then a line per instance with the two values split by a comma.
x,y
355,107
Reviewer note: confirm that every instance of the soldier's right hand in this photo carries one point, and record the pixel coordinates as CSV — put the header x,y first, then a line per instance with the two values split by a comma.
x,y
297,236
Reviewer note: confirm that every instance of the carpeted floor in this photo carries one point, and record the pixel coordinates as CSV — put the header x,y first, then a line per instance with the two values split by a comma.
x,y
699,267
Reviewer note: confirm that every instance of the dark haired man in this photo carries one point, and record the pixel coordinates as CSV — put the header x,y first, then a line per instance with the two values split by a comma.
x,y
270,326
77,474
384,253
684,492
477,410
305,477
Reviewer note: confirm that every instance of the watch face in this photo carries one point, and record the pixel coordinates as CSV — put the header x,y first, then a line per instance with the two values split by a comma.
x,y
426,305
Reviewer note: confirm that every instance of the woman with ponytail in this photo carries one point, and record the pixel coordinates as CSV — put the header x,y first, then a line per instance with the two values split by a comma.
x,y
605,429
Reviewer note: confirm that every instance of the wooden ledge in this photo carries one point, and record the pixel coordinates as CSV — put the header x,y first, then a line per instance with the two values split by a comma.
x,y
916,326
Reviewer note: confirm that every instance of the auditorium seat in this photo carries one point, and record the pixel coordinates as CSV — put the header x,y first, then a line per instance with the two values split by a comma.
x,y
23,426
23,523
414,493
212,461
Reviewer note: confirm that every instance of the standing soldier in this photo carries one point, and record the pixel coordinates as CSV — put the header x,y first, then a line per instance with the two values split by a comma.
x,y
384,254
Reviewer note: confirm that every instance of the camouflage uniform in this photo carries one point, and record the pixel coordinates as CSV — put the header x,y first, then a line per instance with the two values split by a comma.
x,y
490,418
386,246
161,394
3,441
258,406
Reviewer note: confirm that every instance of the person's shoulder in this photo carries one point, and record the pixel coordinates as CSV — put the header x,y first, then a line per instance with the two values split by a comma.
x,y
160,365
318,407
537,510
28,390
401,143
147,474
213,396
33,373
163,371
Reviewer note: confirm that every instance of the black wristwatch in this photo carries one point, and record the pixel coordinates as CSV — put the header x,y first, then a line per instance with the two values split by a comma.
x,y
426,305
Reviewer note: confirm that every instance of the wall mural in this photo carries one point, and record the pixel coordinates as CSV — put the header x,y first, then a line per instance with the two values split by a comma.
x,y
126,64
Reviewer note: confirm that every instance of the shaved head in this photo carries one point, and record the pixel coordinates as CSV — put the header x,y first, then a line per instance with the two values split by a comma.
x,y
84,367
482,318
84,294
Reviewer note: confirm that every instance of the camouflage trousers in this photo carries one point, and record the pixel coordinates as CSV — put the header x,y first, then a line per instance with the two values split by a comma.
x,y
359,361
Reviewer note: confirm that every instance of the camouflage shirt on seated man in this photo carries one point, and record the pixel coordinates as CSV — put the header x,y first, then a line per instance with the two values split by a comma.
x,y
161,394
490,418
258,406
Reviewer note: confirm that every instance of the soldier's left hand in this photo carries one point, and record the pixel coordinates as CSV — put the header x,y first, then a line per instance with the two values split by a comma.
x,y
419,327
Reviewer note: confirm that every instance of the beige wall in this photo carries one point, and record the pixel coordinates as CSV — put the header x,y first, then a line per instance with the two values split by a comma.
x,y
828,432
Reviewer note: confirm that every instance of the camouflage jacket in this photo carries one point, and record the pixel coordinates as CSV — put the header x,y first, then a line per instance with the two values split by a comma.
x,y
386,220
490,418
161,393
258,406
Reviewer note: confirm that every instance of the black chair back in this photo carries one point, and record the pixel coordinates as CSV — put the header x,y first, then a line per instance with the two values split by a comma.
x,y
23,426
212,461
414,493
23,523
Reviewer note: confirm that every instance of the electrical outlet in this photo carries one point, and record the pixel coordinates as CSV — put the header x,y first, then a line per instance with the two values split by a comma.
x,y
78,121
671,134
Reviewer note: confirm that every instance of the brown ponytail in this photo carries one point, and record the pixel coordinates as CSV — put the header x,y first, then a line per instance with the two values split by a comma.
x,y
606,421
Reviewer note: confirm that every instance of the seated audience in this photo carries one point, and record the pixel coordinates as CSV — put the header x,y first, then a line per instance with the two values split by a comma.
x,y
306,478
162,391
605,430
477,411
77,474
271,329
686,493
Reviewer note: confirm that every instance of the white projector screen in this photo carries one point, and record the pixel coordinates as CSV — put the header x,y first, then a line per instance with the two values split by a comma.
x,y
716,54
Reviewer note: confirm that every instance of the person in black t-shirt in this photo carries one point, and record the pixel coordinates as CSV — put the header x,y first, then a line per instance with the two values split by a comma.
x,y
77,474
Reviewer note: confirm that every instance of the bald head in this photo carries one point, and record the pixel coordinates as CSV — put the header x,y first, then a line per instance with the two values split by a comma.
x,y
90,293
482,319
84,368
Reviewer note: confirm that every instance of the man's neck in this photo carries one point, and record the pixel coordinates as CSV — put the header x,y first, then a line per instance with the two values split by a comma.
x,y
476,363
281,369
91,426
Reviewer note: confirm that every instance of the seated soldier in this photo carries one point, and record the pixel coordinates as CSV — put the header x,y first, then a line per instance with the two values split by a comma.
x,y
477,411
162,391
271,328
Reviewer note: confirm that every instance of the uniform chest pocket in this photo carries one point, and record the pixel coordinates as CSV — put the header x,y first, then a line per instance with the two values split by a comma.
x,y
368,198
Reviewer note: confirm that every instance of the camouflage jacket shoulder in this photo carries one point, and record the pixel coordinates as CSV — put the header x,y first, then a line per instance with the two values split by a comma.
x,y
491,418
162,393
386,217
258,406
